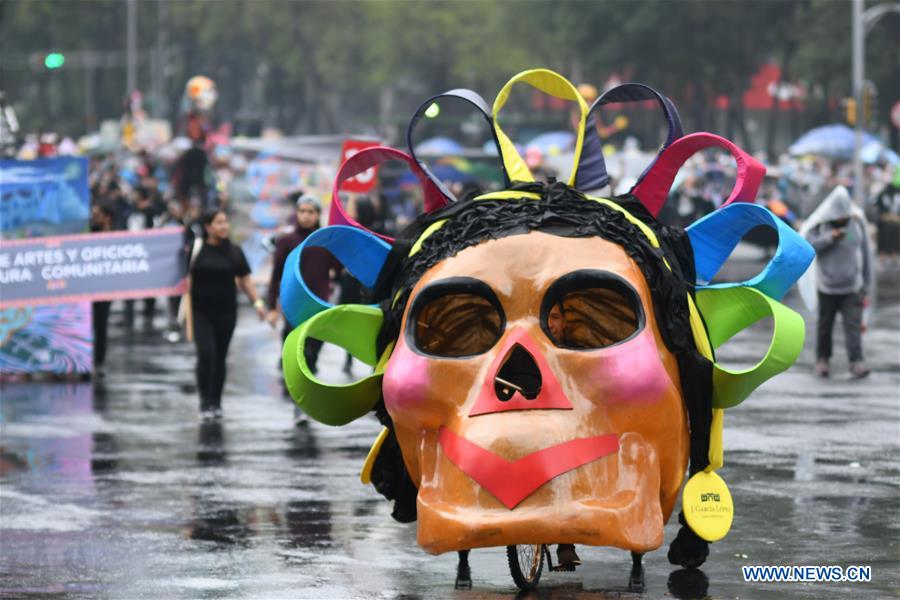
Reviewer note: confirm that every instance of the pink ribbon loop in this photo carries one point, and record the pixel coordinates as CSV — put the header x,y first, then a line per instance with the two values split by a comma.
x,y
654,188
366,159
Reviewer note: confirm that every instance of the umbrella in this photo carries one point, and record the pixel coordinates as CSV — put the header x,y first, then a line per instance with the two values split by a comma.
x,y
876,152
835,141
553,142
490,147
439,146
445,173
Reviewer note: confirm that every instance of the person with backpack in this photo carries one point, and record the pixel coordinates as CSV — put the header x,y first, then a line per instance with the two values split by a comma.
x,y
217,268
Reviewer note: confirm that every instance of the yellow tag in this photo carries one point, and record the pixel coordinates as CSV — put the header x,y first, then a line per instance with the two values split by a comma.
x,y
707,506
365,476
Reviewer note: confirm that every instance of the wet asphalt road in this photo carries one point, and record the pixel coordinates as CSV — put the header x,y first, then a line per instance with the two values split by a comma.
x,y
117,490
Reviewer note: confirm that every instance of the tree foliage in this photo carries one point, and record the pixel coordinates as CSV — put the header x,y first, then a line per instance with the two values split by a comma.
x,y
354,66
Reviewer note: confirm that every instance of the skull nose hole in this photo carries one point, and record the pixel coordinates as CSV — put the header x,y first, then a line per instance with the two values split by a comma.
x,y
519,373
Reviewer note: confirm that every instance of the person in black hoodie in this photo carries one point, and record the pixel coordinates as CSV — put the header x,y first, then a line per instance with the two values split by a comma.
x,y
214,270
316,265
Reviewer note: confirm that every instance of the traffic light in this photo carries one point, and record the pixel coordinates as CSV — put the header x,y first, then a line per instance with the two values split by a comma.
x,y
850,103
54,60
868,101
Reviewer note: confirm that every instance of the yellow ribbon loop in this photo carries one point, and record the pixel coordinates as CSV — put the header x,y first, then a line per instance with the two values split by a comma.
x,y
551,83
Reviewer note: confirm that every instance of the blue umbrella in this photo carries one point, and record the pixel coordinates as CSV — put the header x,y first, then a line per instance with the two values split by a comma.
x,y
442,146
553,142
835,141
445,173
875,152
490,147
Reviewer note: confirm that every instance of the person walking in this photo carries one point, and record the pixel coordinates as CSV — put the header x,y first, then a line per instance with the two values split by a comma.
x,y
362,210
173,217
837,230
315,265
217,268
102,215
888,206
141,218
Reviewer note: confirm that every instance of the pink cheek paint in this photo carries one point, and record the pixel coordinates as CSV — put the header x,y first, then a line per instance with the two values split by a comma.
x,y
631,373
405,382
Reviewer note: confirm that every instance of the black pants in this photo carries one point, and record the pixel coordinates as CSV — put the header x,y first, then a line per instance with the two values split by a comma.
x,y
851,307
100,323
173,303
149,310
212,335
310,350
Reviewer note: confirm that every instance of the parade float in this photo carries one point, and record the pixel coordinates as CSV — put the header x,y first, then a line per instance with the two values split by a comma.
x,y
544,359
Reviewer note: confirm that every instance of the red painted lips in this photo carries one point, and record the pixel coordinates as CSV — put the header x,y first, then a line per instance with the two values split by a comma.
x,y
512,482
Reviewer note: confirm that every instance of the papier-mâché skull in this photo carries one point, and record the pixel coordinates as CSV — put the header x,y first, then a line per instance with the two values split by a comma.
x,y
534,399
544,362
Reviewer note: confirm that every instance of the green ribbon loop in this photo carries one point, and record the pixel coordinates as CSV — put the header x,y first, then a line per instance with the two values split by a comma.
x,y
354,328
730,310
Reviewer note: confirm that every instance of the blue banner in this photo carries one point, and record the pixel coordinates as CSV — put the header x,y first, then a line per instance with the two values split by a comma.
x,y
43,197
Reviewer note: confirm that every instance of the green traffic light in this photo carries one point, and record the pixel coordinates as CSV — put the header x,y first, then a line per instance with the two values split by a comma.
x,y
54,60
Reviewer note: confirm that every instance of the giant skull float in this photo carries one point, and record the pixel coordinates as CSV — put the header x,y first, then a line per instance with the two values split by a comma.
x,y
543,359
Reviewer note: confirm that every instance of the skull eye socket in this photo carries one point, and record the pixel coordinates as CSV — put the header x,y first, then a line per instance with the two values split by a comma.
x,y
455,318
587,309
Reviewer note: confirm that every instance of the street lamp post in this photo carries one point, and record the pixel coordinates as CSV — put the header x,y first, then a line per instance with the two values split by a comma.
x,y
863,21
131,47
858,68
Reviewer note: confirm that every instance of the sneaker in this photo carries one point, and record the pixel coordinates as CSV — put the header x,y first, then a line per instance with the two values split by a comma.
x,y
300,418
217,413
207,415
822,368
859,370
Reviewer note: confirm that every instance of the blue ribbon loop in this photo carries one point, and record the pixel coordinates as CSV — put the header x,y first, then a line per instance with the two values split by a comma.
x,y
362,254
715,236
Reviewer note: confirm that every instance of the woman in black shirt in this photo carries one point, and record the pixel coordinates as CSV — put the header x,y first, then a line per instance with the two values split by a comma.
x,y
214,273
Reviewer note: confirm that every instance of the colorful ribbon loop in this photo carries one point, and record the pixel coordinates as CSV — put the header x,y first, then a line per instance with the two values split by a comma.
x,y
592,174
654,188
551,83
715,236
361,253
354,328
479,104
728,311
366,159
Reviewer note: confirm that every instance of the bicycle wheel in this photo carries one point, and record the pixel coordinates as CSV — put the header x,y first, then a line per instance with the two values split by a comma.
x,y
525,565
